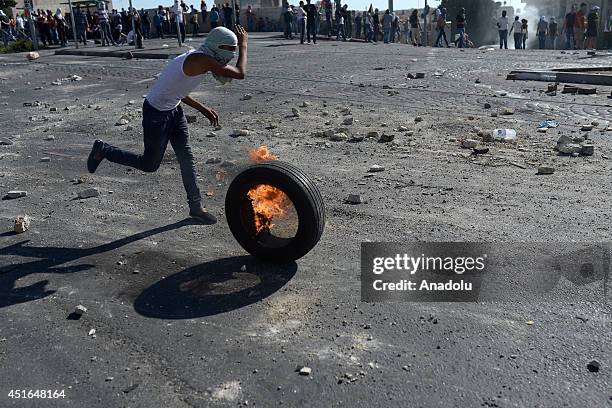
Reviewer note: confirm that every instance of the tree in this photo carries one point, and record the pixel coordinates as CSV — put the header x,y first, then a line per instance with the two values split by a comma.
x,y
5,4
481,16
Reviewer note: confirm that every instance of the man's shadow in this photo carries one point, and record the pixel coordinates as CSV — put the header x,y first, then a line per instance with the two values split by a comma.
x,y
213,287
50,260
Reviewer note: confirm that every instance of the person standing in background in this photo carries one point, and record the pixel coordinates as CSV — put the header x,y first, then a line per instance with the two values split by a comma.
x,y
376,23
461,25
441,27
591,28
517,27
301,21
387,21
502,26
568,29
105,30
146,24
542,32
61,24
524,32
177,9
552,33
358,25
214,17
580,26
195,21
250,16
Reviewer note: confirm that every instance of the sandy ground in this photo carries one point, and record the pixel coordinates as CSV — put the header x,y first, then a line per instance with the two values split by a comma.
x,y
178,324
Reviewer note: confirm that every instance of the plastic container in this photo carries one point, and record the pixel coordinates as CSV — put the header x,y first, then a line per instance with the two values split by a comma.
x,y
504,135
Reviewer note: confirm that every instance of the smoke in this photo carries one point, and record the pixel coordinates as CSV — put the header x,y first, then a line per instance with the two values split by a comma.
x,y
532,15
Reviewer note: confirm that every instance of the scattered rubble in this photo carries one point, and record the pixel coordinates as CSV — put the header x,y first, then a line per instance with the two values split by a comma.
x,y
123,120
22,224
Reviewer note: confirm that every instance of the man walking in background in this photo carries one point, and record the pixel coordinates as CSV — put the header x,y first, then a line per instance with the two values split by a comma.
x,y
502,26
517,27
568,28
542,32
311,21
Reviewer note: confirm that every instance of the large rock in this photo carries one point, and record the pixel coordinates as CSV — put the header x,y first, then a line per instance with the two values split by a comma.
x,y
353,199
587,150
569,148
15,194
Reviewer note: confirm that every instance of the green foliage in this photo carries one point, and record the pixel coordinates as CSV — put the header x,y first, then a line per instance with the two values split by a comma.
x,y
21,45
481,16
5,4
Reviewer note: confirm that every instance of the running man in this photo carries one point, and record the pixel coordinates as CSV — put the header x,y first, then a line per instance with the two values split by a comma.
x,y
163,119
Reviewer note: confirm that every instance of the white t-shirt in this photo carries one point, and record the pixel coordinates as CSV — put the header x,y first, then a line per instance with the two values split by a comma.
x,y
173,84
178,11
517,26
503,23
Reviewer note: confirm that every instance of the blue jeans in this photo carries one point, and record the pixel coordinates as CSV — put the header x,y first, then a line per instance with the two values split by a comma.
x,y
461,32
386,34
570,39
503,39
368,33
159,128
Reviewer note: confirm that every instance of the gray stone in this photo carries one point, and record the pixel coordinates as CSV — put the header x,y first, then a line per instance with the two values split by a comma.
x,y
338,137
569,148
419,75
214,160
247,97
578,139
80,310
191,118
11,195
295,111
50,137
373,134
240,132
348,120
469,143
402,129
305,370
45,159
354,199
564,139
546,170
487,105
384,138
587,150
593,366
88,193
5,141
481,150
211,134
376,168
356,139
418,119
586,128
123,120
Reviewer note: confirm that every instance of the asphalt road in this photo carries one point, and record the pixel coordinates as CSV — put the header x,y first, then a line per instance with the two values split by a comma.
x,y
177,321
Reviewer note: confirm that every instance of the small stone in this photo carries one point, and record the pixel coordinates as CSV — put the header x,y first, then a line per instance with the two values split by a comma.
x,y
546,170
348,121
123,120
481,150
569,148
593,366
564,139
373,134
542,130
595,123
22,224
419,75
384,138
487,105
376,168
214,160
469,143
493,114
92,332
296,112
211,134
356,139
338,137
305,371
418,119
240,132
402,129
578,139
353,199
243,268
88,193
247,97
507,111
50,137
305,104
11,195
191,118
45,159
477,81
108,379
586,128
53,109
80,310
5,141
131,102
587,150
31,56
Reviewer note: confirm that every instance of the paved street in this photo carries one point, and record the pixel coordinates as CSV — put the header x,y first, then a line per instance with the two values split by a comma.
x,y
178,321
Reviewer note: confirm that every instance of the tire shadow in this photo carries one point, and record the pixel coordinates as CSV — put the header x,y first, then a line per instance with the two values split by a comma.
x,y
213,287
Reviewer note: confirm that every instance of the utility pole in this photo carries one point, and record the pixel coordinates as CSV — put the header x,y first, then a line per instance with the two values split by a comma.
x,y
391,5
74,33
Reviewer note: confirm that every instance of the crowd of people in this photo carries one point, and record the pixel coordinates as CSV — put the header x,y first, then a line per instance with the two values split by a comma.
x,y
579,28
306,21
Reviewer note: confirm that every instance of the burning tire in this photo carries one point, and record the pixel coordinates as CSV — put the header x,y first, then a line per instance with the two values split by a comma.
x,y
266,192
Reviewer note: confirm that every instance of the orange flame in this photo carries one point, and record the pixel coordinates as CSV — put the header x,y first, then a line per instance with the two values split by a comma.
x,y
261,154
268,201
